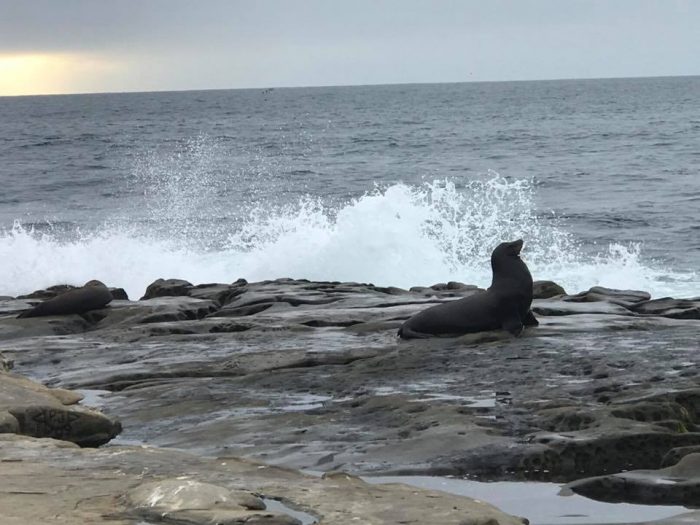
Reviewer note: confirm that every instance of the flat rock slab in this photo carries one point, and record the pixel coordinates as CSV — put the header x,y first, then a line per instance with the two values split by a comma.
x,y
669,307
554,307
45,481
675,485
622,297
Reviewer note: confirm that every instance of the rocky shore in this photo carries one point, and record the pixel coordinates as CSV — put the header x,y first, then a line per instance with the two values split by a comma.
x,y
310,375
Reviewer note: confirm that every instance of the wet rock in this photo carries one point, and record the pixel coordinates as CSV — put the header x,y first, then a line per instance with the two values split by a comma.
x,y
446,291
586,441
157,310
567,419
656,411
390,290
546,289
42,412
222,294
167,288
456,285
15,328
82,427
181,494
191,501
554,307
243,311
119,294
675,485
669,307
674,455
66,397
168,309
626,298
562,458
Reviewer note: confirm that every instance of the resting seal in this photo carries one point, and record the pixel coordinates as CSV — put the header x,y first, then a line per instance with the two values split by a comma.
x,y
92,296
506,303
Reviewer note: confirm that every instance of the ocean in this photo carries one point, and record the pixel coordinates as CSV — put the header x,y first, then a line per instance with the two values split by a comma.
x,y
397,185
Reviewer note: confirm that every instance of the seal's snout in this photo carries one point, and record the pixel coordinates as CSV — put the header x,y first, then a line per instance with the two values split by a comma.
x,y
517,246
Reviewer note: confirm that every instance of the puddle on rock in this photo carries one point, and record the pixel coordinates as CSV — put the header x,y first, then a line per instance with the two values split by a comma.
x,y
301,403
541,503
93,398
277,506
433,391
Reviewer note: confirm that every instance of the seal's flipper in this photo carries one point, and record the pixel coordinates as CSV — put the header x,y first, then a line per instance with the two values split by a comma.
x,y
510,320
407,333
513,325
530,319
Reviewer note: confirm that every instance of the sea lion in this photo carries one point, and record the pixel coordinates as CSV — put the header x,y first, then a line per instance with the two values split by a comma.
x,y
506,303
92,296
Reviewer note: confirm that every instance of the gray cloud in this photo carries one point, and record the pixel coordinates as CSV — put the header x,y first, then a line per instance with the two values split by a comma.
x,y
178,44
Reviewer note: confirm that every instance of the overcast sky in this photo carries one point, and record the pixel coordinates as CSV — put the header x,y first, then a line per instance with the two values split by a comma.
x,y
143,45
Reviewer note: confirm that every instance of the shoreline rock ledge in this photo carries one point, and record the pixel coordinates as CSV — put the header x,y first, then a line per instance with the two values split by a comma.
x,y
127,485
310,376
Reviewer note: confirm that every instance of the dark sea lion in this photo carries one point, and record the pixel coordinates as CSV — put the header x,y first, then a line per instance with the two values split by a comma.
x,y
506,303
92,296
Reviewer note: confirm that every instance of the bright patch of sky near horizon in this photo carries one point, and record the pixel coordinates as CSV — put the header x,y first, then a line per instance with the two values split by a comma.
x,y
78,46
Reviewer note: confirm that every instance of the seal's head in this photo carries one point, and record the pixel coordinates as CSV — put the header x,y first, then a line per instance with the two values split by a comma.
x,y
507,249
505,255
506,263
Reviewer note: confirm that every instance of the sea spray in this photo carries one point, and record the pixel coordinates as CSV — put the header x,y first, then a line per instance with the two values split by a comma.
x,y
196,190
399,235
402,235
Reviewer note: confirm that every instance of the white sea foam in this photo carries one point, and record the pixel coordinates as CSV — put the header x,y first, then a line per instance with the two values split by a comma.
x,y
400,235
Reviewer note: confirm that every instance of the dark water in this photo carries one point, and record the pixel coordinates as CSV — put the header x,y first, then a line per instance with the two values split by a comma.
x,y
601,178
